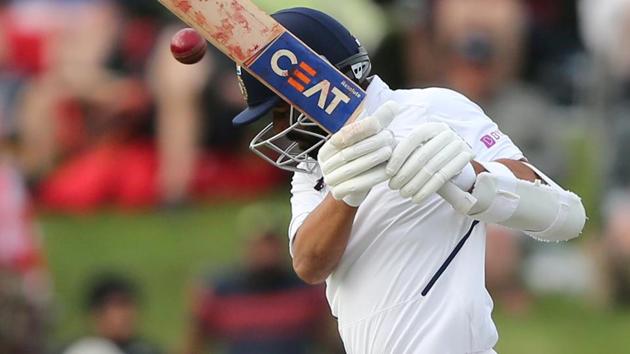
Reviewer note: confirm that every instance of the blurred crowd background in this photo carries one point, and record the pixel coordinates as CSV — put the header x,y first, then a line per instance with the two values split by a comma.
x,y
134,220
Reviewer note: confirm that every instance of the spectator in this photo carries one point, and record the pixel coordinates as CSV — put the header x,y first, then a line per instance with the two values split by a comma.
x,y
113,306
24,282
200,150
503,269
23,321
405,57
605,27
616,247
482,42
262,308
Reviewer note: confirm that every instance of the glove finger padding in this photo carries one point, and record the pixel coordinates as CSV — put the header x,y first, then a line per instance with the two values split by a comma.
x,y
353,159
435,164
409,144
419,158
439,178
361,183
371,144
358,166
364,128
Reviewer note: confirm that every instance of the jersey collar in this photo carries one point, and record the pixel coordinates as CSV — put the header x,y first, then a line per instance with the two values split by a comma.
x,y
376,94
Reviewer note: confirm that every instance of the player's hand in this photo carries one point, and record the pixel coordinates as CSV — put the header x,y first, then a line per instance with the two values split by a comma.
x,y
426,159
353,159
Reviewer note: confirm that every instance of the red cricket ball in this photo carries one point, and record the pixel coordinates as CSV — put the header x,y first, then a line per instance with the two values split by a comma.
x,y
187,46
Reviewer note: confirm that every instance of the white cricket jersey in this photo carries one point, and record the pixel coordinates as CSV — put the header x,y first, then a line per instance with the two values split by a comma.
x,y
380,292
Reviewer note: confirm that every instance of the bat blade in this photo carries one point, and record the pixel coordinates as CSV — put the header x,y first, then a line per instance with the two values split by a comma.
x,y
238,28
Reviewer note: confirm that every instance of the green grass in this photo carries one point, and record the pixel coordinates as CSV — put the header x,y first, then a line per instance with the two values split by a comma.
x,y
564,326
166,250
163,251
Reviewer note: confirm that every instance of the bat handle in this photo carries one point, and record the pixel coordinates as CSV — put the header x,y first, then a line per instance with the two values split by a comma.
x,y
460,200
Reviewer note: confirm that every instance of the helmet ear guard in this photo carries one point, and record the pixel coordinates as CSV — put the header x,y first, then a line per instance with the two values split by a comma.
x,y
356,67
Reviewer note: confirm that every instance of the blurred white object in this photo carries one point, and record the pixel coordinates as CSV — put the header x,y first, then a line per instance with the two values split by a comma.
x,y
605,26
560,270
93,345
16,237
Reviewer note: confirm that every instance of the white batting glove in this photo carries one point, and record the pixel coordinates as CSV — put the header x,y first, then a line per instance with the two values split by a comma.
x,y
353,159
426,159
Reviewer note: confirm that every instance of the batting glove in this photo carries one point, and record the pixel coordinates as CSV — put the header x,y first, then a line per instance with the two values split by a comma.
x,y
426,159
353,159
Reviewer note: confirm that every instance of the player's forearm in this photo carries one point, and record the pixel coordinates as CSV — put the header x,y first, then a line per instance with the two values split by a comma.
x,y
322,239
542,209
518,168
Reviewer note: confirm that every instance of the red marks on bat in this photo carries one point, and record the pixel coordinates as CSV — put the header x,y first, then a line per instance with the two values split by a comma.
x,y
183,5
223,32
200,19
239,30
276,30
239,17
236,51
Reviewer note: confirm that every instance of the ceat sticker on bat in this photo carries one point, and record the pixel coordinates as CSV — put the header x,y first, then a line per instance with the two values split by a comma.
x,y
308,82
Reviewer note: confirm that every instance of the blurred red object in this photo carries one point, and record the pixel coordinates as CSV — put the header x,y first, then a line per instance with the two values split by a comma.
x,y
227,176
26,42
121,174
126,175
138,41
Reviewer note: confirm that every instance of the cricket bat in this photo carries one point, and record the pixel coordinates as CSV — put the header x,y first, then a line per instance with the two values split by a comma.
x,y
278,59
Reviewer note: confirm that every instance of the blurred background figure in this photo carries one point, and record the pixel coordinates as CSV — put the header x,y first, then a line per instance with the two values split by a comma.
x,y
261,306
112,303
405,57
25,294
24,279
503,269
202,155
481,44
109,118
24,321
85,122
605,27
616,248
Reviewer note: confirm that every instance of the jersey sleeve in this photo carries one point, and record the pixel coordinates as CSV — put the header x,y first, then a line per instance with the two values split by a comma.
x,y
469,121
304,198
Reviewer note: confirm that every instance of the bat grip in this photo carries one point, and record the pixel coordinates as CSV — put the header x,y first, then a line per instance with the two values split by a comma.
x,y
460,200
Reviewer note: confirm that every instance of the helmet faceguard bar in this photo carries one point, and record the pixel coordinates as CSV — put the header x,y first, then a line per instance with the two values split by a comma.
x,y
280,151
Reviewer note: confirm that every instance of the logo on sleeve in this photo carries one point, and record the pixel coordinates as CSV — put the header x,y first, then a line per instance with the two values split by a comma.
x,y
489,140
